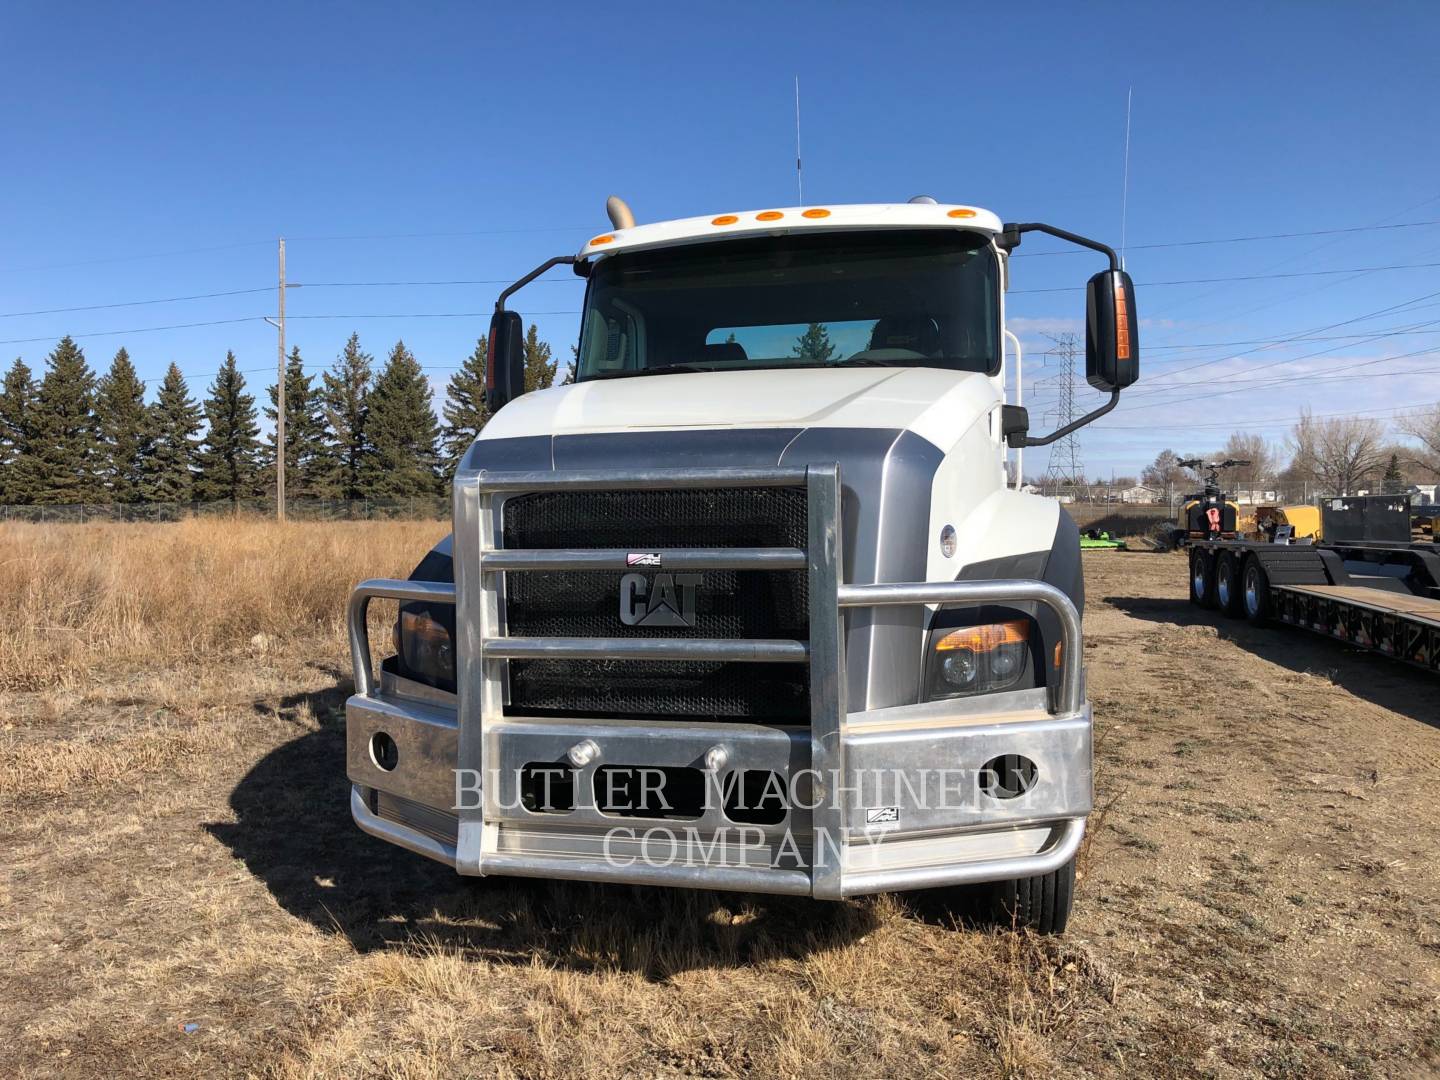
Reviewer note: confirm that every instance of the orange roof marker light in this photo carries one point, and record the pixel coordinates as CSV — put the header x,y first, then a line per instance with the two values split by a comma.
x,y
602,240
724,219
816,212
769,215
961,212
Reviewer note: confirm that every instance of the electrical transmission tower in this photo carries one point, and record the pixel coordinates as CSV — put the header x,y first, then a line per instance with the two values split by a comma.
x,y
1065,472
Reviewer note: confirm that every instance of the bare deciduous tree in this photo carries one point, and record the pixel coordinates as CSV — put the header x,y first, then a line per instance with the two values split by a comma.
x,y
1256,449
1424,428
1338,452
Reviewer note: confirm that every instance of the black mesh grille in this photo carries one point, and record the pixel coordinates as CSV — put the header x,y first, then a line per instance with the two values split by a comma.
x,y
728,603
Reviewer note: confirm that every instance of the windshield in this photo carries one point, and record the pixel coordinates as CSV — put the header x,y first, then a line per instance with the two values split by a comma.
x,y
917,298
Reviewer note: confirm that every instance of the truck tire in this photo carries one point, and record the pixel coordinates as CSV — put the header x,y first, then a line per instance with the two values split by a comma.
x,y
1255,591
1229,593
1202,577
1041,904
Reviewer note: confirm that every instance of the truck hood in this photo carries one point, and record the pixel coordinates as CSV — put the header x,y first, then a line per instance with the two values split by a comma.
x,y
936,404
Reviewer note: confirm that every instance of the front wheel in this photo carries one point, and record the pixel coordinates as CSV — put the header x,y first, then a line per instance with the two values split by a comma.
x,y
1041,904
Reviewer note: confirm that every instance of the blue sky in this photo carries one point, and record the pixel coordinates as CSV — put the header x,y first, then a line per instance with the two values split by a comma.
x,y
156,151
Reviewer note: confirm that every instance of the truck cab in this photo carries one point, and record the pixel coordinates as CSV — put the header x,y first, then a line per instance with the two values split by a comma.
x,y
751,604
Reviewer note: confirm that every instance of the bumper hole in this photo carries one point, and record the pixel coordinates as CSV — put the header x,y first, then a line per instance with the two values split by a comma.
x,y
383,752
1008,776
756,797
547,787
651,791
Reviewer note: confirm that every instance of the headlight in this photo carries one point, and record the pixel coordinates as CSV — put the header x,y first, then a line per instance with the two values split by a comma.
x,y
426,647
977,659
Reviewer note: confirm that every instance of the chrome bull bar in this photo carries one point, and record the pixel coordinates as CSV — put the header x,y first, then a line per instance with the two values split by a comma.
x,y
483,648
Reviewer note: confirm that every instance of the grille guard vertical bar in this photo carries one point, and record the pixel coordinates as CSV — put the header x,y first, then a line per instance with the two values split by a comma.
x,y
827,680
476,678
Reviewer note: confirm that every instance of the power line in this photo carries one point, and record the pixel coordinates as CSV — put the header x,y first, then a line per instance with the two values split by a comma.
x,y
468,232
1300,336
1246,277
1276,341
134,258
1389,411
137,330
1244,386
131,303
1238,239
477,281
266,289
427,315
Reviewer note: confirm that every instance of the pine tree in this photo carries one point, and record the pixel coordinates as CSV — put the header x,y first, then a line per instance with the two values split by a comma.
x,y
344,399
465,409
814,345
64,432
17,420
228,458
539,368
308,463
124,430
402,431
1394,481
174,425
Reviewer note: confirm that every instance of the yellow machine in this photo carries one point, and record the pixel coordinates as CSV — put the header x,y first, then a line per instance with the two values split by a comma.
x,y
1208,514
1305,520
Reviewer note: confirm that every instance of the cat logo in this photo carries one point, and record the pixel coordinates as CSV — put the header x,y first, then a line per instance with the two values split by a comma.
x,y
665,600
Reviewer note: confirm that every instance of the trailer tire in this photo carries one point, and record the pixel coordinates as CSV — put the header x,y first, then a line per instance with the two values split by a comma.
x,y
1041,904
1255,591
1229,594
1202,577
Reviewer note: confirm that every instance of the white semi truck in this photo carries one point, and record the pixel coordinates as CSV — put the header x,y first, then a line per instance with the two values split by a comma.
x,y
750,604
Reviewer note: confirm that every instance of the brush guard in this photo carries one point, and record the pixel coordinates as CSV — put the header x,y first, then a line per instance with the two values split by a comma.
x,y
414,753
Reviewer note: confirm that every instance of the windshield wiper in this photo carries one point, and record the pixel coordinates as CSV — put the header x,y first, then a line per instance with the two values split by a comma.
x,y
663,369
868,361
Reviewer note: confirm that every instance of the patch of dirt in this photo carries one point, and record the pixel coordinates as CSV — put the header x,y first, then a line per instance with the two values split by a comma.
x,y
184,894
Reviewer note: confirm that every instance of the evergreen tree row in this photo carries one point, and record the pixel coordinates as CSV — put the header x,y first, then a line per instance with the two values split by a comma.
x,y
72,437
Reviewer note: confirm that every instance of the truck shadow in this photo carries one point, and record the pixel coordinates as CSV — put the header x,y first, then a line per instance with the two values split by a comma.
x,y
293,831
1388,683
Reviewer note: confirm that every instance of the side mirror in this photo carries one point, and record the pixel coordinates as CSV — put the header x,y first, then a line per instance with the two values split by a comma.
x,y
1112,332
504,360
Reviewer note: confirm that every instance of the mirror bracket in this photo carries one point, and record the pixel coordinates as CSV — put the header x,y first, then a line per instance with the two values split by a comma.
x,y
1074,425
1012,232
558,260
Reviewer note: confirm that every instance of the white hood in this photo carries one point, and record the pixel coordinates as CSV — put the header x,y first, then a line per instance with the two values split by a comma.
x,y
937,405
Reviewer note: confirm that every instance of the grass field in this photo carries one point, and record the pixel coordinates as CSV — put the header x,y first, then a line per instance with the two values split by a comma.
x,y
184,893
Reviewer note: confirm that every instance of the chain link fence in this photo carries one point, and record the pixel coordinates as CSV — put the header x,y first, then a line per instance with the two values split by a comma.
x,y
420,508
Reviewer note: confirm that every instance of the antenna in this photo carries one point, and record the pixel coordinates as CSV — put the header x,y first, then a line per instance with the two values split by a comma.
x,y
1125,182
799,179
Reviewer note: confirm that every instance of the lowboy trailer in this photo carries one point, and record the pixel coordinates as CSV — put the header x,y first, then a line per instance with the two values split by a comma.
x,y
1365,584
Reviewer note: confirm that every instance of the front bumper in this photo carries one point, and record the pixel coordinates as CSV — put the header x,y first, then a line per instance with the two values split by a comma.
x,y
918,770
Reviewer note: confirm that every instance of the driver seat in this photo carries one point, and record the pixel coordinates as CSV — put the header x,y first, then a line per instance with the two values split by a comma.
x,y
917,334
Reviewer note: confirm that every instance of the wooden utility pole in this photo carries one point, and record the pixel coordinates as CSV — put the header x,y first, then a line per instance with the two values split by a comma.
x,y
280,400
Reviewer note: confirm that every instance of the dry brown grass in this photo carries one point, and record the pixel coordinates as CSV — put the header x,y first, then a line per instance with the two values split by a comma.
x,y
73,596
178,851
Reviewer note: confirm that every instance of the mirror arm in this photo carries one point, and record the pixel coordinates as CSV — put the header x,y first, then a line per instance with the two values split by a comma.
x,y
1046,440
559,260
1013,232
